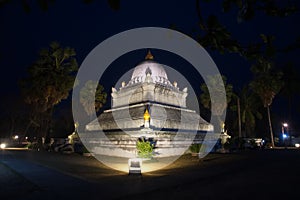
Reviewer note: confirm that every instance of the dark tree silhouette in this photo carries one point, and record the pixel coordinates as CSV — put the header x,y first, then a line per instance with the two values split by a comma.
x,y
49,81
205,96
266,83
85,97
249,110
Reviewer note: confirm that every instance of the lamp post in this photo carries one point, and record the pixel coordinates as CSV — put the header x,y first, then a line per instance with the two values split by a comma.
x,y
284,135
17,139
286,126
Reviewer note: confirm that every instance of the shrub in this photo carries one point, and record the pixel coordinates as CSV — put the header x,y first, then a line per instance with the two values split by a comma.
x,y
195,148
198,148
144,148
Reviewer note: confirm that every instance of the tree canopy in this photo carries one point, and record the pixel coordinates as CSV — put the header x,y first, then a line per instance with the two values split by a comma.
x,y
92,88
50,80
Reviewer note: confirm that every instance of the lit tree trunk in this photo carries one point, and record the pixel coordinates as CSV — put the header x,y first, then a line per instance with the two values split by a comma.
x,y
270,125
47,126
239,117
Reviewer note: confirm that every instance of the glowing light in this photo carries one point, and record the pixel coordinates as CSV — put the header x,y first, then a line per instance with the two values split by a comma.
x,y
2,145
284,135
135,165
16,137
285,124
297,145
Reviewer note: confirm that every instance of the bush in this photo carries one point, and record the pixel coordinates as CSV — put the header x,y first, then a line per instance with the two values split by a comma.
x,y
195,148
144,148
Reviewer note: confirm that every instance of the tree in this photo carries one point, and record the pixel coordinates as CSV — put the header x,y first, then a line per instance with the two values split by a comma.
x,y
49,81
63,123
249,108
218,90
266,83
213,34
87,92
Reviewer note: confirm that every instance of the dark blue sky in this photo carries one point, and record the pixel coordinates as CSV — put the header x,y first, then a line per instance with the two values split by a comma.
x,y
84,26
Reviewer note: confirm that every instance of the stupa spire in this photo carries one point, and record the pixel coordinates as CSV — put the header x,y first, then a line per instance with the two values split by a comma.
x,y
149,56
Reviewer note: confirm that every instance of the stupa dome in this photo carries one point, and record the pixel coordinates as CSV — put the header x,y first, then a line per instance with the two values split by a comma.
x,y
149,69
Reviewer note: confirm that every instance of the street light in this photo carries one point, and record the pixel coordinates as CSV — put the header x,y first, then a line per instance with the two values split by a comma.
x,y
2,146
284,132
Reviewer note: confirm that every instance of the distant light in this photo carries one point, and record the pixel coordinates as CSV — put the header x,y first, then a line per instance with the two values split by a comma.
x,y
2,146
297,145
285,124
284,135
135,165
26,138
16,137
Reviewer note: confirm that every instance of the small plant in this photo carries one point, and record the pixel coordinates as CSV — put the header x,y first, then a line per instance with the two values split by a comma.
x,y
195,148
29,145
32,145
144,148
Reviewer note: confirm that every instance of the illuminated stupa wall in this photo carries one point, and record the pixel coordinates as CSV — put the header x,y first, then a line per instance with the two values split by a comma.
x,y
170,124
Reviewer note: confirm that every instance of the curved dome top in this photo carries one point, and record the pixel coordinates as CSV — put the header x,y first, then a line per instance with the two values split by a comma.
x,y
151,70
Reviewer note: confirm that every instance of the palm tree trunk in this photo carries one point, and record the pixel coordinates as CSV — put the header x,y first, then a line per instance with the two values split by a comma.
x,y
270,125
239,117
48,122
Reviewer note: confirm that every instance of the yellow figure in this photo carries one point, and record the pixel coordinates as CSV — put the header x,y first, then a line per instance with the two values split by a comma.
x,y
146,115
146,119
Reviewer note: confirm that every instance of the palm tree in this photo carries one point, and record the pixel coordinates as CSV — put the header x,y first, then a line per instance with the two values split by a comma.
x,y
267,83
87,92
218,90
249,109
50,80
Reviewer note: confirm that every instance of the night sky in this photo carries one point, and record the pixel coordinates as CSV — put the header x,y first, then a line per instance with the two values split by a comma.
x,y
83,26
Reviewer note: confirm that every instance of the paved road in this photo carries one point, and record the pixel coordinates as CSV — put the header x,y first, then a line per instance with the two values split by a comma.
x,y
269,174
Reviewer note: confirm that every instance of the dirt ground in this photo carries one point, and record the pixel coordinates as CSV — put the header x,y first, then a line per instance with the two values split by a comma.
x,y
255,174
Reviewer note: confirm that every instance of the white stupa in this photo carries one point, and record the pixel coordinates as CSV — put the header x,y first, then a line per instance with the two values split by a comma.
x,y
150,106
